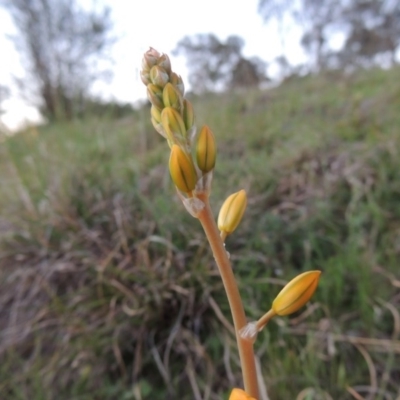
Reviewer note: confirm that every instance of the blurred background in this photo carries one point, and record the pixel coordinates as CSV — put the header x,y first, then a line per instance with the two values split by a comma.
x,y
108,289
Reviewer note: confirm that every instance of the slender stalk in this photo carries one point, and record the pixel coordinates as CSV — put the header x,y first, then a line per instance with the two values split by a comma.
x,y
265,319
246,352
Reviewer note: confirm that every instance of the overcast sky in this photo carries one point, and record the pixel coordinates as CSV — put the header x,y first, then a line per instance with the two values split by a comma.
x,y
160,24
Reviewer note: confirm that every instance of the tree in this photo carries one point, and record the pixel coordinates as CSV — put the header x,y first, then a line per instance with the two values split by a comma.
x,y
61,44
316,18
247,73
370,27
373,28
216,65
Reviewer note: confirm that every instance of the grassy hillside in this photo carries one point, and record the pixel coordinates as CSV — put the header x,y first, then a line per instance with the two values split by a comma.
x,y
108,289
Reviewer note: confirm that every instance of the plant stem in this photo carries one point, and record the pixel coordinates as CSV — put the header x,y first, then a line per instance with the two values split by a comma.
x,y
246,352
265,319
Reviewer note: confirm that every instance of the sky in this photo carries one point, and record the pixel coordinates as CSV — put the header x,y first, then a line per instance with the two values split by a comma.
x,y
140,24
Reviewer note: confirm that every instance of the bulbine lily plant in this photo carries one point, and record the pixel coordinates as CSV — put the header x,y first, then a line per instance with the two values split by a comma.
x,y
191,164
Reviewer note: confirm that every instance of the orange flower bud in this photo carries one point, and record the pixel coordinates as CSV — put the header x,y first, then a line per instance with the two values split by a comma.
x,y
206,150
239,394
232,212
296,293
182,170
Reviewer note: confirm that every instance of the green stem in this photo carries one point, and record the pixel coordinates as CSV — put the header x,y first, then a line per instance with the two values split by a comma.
x,y
246,352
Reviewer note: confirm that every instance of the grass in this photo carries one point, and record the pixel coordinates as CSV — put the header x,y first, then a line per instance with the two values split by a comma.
x,y
108,288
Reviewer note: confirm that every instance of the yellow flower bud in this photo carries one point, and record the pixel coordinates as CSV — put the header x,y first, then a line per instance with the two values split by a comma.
x,y
296,293
239,394
206,150
173,125
154,94
158,76
232,212
171,97
182,170
188,114
156,114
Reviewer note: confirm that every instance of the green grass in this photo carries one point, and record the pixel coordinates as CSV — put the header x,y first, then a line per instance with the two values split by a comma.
x,y
108,289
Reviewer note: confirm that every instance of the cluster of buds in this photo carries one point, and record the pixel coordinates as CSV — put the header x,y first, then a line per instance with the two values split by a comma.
x,y
192,157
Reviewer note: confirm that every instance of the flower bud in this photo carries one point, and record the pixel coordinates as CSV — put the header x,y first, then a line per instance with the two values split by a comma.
x,y
156,120
206,150
232,212
164,62
150,59
154,94
188,114
182,170
156,114
158,76
177,81
173,125
145,77
296,293
239,394
172,97
158,127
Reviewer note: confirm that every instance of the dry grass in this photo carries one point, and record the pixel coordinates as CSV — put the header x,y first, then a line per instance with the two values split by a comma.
x,y
109,291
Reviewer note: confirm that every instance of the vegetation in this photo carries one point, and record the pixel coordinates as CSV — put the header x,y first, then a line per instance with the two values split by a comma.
x,y
109,290
64,48
369,28
219,66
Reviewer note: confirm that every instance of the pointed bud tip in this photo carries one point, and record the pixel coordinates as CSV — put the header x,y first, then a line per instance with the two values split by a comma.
x,y
150,58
